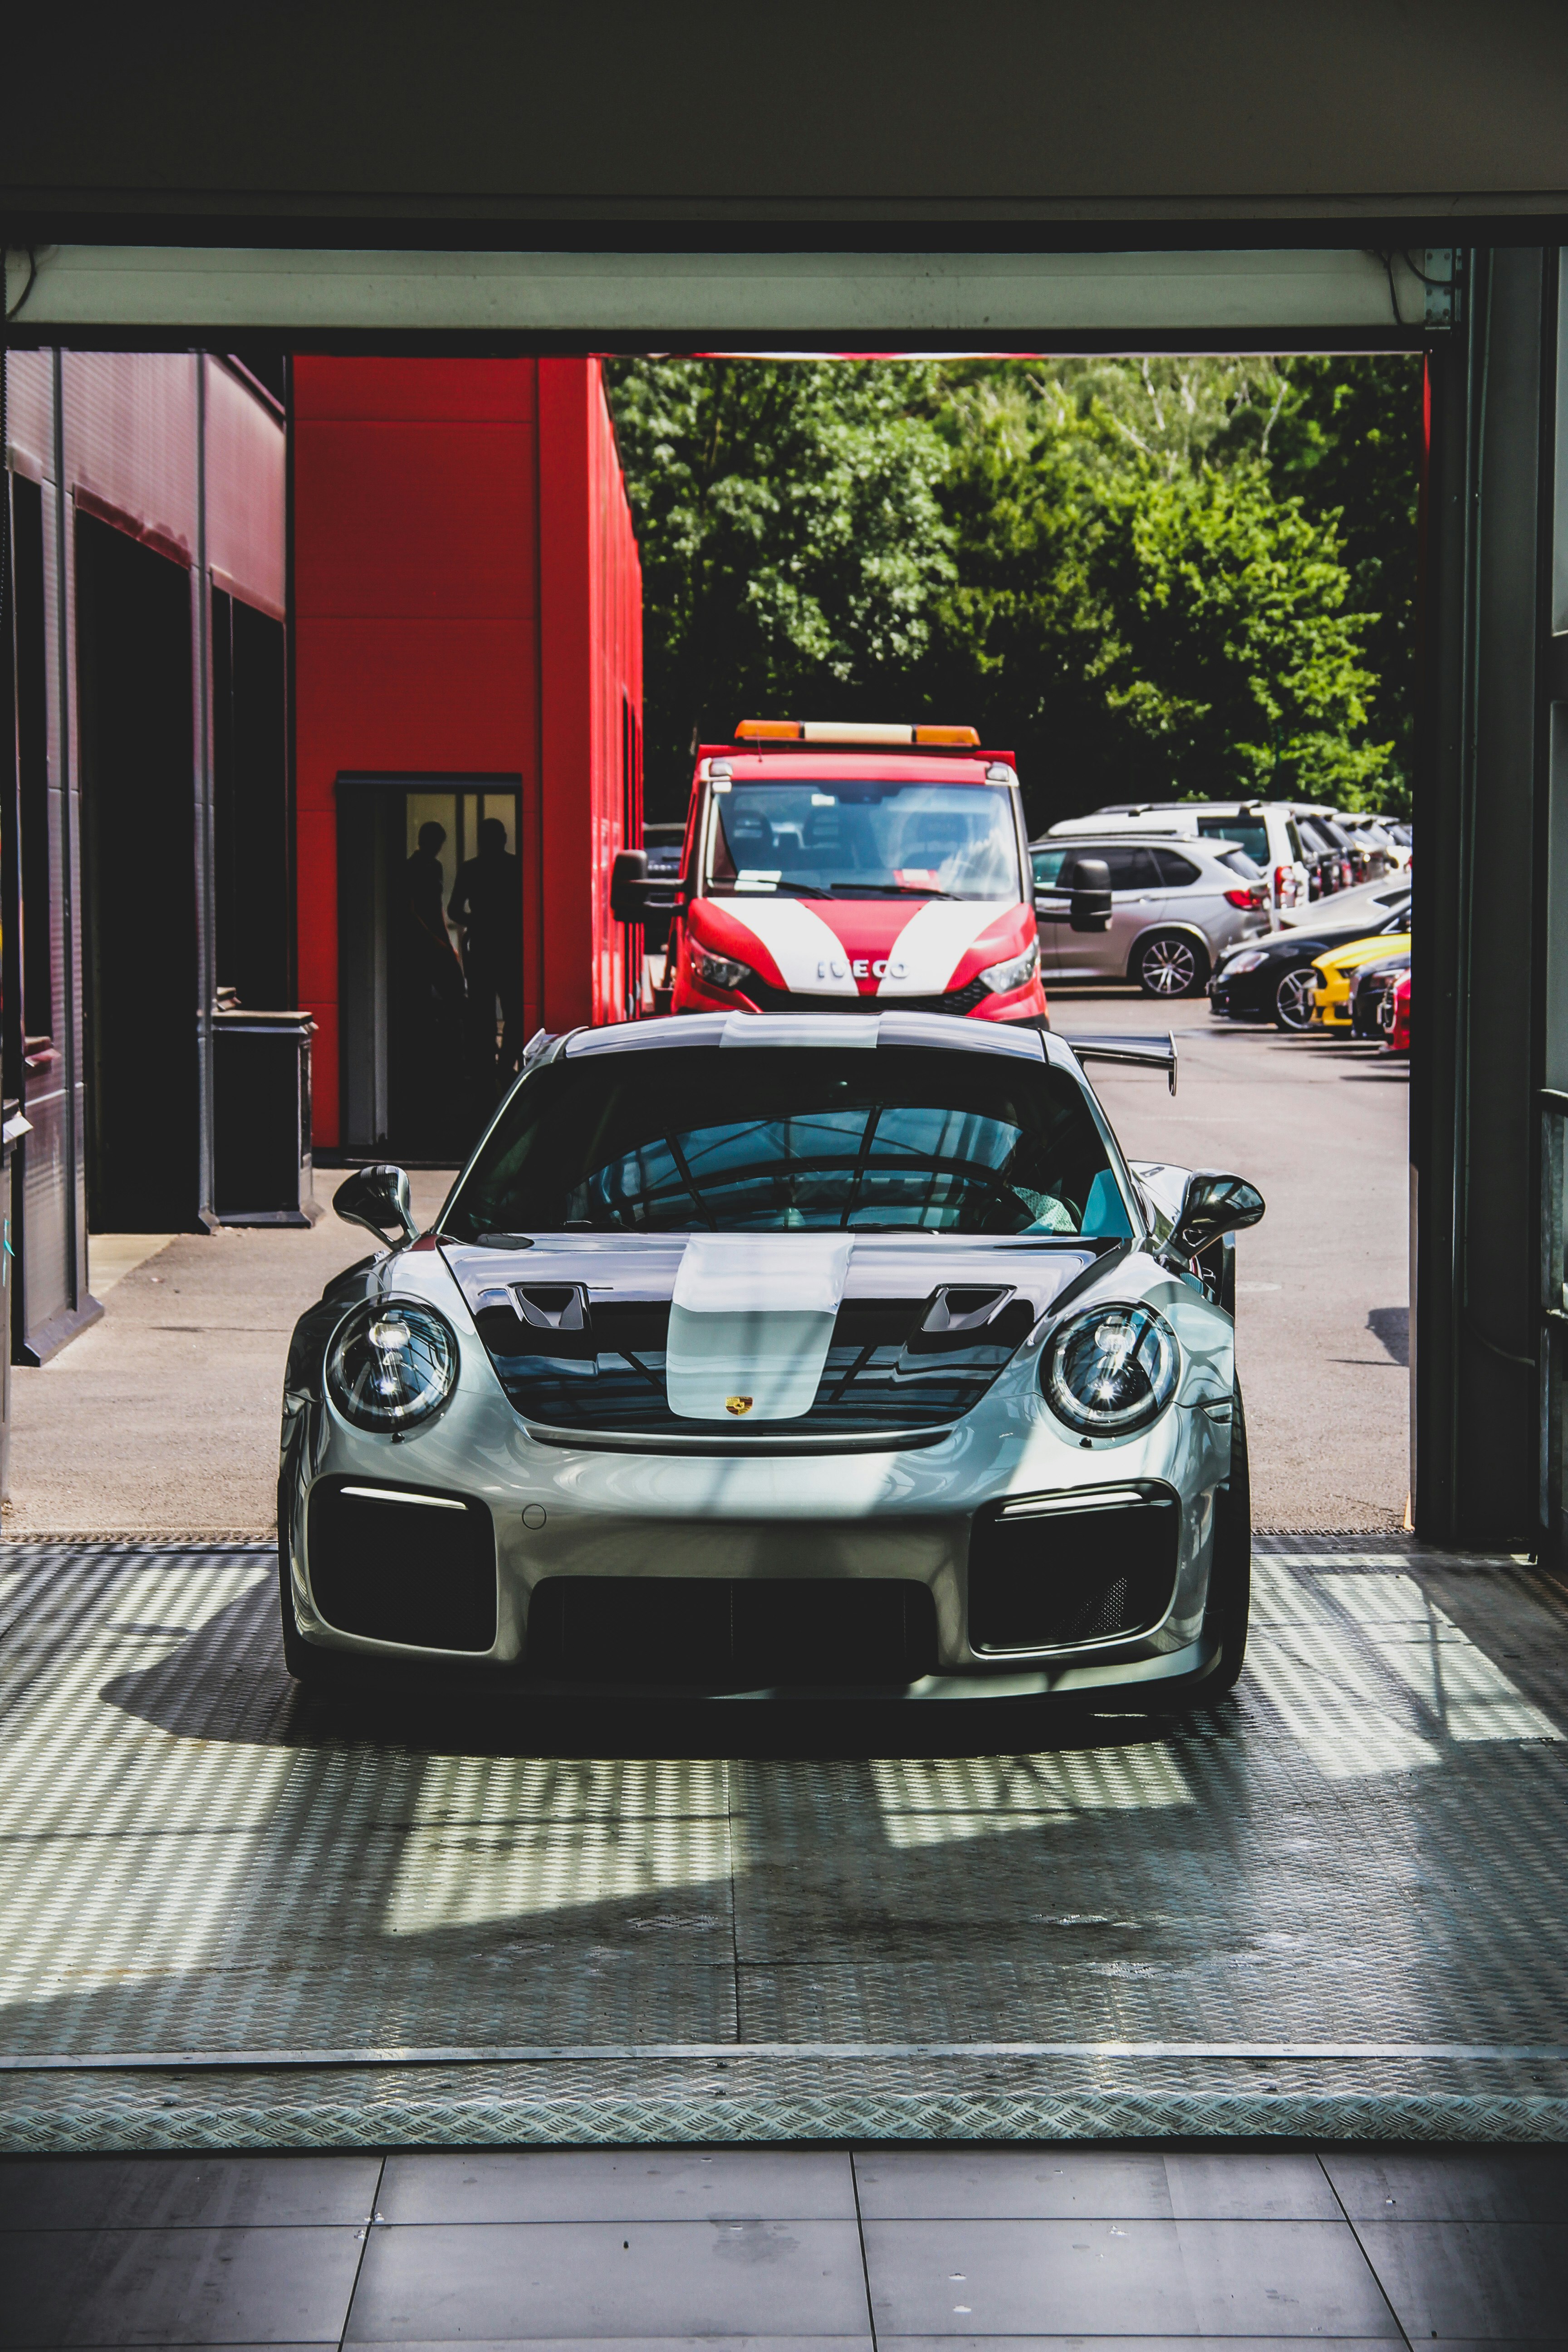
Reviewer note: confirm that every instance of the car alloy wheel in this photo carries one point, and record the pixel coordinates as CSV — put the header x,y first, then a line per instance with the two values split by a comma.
x,y
1170,965
1293,997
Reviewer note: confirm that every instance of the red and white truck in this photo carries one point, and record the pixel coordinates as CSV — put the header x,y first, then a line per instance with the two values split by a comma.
x,y
848,868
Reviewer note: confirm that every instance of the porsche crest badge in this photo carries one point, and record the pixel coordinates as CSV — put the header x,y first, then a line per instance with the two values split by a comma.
x,y
738,1405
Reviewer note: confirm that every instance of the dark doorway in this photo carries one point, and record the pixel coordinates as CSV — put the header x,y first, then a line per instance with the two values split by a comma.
x,y
140,981
430,921
36,1001
252,899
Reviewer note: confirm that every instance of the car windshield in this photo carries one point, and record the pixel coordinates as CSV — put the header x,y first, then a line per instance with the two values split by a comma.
x,y
1321,834
858,839
705,1138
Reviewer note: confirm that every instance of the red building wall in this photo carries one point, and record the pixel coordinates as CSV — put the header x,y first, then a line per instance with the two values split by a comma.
x,y
468,601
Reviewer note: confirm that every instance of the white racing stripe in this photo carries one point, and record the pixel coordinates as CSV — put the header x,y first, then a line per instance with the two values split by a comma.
x,y
762,1274
933,943
800,943
752,1316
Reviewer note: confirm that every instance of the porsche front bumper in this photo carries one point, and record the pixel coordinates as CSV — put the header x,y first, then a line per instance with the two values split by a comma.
x,y
571,1533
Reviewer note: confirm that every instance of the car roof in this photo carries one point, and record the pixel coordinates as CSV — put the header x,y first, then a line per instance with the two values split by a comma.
x,y
813,763
1205,845
1255,807
757,1031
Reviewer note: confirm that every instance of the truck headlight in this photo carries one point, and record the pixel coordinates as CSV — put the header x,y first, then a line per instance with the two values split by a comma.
x,y
392,1364
719,971
1110,1370
1016,972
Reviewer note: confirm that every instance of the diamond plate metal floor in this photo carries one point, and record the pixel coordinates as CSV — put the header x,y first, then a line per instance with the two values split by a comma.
x,y
235,1915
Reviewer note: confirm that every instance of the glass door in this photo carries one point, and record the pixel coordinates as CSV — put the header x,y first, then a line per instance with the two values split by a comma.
x,y
431,944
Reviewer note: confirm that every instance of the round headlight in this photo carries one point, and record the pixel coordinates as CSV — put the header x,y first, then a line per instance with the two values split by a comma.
x,y
392,1364
1110,1370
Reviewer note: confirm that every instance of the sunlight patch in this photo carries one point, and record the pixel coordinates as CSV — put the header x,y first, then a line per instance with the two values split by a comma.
x,y
934,1803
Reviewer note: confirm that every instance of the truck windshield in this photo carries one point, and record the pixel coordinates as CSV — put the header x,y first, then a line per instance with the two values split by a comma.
x,y
859,839
790,1138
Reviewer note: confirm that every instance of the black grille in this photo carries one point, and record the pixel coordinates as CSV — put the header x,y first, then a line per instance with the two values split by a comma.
x,y
402,1570
1070,1577
730,1633
783,999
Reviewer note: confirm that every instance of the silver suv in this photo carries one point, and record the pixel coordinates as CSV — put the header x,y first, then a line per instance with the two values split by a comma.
x,y
1175,907
1266,830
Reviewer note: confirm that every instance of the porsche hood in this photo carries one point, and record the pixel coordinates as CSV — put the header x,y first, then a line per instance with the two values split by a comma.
x,y
667,1341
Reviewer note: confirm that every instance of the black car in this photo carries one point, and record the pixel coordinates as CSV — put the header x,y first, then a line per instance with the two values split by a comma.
x,y
1370,984
1272,979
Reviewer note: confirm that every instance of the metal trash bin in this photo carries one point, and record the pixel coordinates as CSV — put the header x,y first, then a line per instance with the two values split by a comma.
x,y
12,1127
262,1172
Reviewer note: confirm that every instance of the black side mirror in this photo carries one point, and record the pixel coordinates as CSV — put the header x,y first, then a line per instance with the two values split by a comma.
x,y
378,1198
629,886
1090,894
1213,1205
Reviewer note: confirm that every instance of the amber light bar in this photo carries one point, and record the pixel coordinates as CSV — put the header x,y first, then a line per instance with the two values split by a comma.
x,y
850,731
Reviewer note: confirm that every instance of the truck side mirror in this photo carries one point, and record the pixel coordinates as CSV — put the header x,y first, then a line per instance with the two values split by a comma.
x,y
1213,1205
629,886
1090,894
378,1198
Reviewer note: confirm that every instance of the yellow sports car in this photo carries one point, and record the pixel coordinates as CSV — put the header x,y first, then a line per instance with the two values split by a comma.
x,y
1336,973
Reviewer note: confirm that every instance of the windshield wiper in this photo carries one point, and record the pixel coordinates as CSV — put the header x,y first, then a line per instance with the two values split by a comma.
x,y
933,1230
883,890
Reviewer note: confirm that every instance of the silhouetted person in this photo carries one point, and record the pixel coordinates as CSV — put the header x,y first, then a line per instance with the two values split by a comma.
x,y
425,882
427,999
487,900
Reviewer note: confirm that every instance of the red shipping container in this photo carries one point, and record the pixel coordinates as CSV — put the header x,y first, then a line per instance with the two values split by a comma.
x,y
468,621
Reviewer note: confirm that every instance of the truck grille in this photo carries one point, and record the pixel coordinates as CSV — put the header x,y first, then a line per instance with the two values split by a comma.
x,y
962,1000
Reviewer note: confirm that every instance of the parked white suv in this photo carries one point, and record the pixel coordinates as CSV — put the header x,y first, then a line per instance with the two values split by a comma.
x,y
1176,905
1266,830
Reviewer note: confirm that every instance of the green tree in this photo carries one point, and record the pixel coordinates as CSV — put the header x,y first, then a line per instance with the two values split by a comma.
x,y
1347,442
1138,608
792,536
1149,577
1230,663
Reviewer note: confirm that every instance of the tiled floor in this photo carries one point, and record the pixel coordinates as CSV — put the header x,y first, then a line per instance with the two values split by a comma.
x,y
886,2251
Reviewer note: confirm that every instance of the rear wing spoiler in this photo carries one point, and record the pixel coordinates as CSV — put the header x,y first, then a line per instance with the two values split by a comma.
x,y
1154,1053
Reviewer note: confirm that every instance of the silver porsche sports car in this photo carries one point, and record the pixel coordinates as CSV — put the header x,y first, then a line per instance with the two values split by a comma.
x,y
783,1353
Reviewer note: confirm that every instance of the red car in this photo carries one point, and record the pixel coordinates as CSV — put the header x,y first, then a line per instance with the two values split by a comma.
x,y
853,869
1397,1015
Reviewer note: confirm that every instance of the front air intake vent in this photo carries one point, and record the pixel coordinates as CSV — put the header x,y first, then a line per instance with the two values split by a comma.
x,y
1065,1579
732,1633
393,1565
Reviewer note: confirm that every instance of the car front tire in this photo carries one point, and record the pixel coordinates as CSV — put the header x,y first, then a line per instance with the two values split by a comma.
x,y
1230,1577
1170,964
1293,995
306,1663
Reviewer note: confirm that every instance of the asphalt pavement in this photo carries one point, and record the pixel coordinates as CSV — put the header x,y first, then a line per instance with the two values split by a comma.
x,y
1321,1126
161,1422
